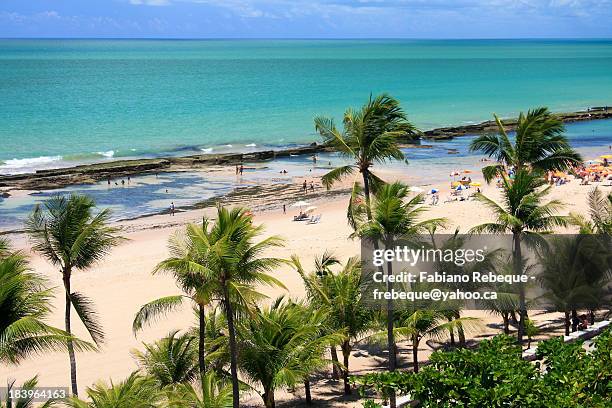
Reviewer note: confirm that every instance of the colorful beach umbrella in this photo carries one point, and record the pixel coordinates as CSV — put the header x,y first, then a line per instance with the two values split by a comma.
x,y
475,184
606,156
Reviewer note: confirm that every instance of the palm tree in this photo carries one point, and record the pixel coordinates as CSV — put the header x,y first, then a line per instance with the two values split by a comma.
x,y
191,257
170,361
524,215
215,393
539,145
370,136
338,294
23,402
24,304
239,266
68,233
136,391
282,345
600,214
394,218
418,324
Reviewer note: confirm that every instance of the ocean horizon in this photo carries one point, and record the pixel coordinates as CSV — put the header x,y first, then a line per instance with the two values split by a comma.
x,y
71,101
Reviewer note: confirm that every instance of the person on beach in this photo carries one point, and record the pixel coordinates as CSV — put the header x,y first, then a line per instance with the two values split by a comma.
x,y
312,186
314,159
129,179
109,180
241,169
305,186
123,183
237,169
172,209
284,209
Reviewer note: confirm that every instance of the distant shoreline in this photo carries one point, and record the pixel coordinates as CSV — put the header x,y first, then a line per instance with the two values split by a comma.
x,y
90,173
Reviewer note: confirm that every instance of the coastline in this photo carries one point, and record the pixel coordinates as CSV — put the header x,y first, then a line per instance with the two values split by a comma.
x,y
49,179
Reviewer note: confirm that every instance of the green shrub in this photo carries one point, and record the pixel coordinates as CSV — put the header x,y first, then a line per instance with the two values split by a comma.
x,y
495,375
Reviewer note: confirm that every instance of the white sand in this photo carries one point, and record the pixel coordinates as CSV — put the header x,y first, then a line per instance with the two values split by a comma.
x,y
123,282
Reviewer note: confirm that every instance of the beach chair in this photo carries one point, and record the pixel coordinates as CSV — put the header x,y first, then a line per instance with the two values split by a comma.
x,y
315,220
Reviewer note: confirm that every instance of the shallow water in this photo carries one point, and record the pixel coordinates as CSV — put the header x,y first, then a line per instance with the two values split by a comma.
x,y
70,101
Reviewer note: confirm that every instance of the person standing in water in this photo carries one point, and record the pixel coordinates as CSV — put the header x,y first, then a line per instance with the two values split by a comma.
x,y
172,209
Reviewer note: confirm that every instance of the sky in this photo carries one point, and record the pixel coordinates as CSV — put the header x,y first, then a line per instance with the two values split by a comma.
x,y
306,19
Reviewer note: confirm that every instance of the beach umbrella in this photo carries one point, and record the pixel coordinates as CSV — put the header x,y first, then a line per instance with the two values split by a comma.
x,y
433,191
475,184
455,184
467,171
311,208
606,156
300,204
460,187
416,190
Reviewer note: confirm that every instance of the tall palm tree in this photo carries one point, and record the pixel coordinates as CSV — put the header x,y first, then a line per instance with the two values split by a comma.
x,y
240,265
281,345
394,216
136,391
171,360
338,294
214,393
67,232
540,145
523,214
370,135
24,304
192,255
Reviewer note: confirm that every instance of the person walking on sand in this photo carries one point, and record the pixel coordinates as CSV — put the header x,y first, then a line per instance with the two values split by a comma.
x,y
305,186
241,169
284,209
172,209
312,186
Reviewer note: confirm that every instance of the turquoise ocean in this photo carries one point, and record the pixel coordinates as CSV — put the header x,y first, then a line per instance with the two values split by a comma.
x,y
64,102
73,101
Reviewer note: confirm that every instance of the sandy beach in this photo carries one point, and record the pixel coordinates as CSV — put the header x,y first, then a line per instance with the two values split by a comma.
x,y
123,282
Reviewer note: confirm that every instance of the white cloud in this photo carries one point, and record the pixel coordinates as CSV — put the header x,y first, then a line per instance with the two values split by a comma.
x,y
150,2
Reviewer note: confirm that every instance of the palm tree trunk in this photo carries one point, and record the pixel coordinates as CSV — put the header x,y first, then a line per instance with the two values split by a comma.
x,y
366,192
506,317
415,353
518,270
346,353
307,391
460,331
70,346
268,397
229,312
390,333
567,323
451,332
202,340
335,363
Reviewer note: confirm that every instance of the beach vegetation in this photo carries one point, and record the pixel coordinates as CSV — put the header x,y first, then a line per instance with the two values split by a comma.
x,y
71,235
539,145
336,292
24,306
524,214
370,135
281,345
